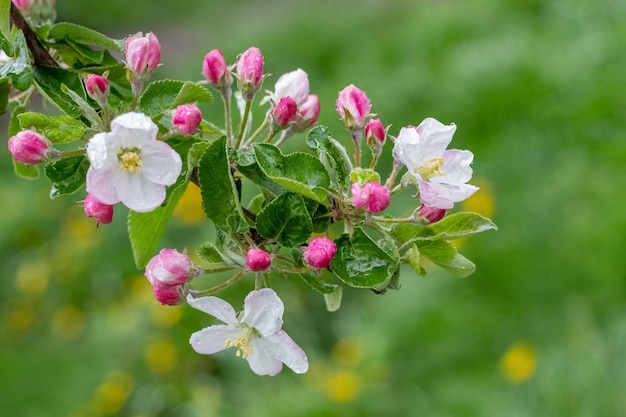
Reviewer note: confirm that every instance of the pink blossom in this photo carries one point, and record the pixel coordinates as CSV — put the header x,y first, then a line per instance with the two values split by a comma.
x,y
431,214
285,112
371,196
102,213
258,260
169,268
374,130
215,70
294,84
320,252
353,107
309,111
143,54
441,175
187,118
169,295
250,72
29,147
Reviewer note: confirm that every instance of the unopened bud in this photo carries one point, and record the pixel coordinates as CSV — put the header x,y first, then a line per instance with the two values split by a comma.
x,y
258,260
29,147
320,252
98,88
250,72
294,84
186,119
215,70
371,196
23,5
102,213
168,268
430,214
375,131
143,54
169,295
284,112
309,112
353,107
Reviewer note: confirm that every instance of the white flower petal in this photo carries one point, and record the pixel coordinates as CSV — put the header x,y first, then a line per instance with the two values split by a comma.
x,y
435,137
102,186
408,149
262,361
294,84
161,164
439,195
101,152
216,307
212,339
456,165
133,129
139,194
283,348
263,310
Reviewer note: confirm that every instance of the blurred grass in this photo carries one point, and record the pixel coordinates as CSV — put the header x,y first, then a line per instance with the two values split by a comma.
x,y
537,91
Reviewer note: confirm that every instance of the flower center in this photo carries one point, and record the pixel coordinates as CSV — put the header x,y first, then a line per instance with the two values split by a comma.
x,y
130,161
431,168
242,342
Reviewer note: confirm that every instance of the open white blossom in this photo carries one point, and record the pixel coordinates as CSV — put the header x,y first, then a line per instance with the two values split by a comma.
x,y
130,165
256,332
441,174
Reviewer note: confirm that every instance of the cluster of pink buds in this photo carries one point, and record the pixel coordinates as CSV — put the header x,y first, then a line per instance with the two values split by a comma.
x,y
168,272
29,147
371,196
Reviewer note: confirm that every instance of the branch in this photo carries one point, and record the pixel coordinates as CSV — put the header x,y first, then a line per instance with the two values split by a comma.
x,y
40,54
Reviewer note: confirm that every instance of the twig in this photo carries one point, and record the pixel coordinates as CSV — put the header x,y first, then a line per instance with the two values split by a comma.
x,y
40,54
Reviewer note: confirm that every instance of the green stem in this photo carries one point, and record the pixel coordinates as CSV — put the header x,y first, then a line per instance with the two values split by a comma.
x,y
270,136
244,122
227,116
256,132
392,177
222,286
393,220
374,161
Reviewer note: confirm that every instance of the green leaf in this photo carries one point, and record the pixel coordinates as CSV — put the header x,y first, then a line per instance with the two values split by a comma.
x,y
362,263
146,229
458,225
446,256
320,218
57,129
412,255
49,80
248,166
167,94
212,256
67,175
364,175
82,35
333,299
332,153
286,220
18,69
5,91
314,281
88,112
5,27
298,172
220,200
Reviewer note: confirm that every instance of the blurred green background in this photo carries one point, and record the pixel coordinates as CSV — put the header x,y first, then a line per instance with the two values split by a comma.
x,y
538,93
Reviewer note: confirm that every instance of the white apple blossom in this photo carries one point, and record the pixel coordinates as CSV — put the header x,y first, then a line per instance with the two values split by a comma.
x,y
130,165
294,84
441,174
256,332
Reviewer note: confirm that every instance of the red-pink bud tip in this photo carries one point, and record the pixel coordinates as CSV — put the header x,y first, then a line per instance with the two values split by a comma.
x,y
374,130
168,268
215,70
431,214
285,112
29,147
249,70
320,252
187,118
258,260
169,295
371,196
353,106
102,213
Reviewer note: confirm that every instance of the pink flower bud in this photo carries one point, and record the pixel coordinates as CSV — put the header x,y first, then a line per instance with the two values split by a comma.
x,y
353,107
294,84
169,295
98,88
374,130
187,118
320,252
258,260
29,147
168,268
143,54
215,70
23,5
431,214
309,111
285,112
102,213
250,72
371,196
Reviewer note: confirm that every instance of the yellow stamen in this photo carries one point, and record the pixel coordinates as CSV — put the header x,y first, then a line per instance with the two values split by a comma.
x,y
432,168
130,161
242,342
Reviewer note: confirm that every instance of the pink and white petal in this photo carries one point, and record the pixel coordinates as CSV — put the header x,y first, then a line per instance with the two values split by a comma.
x,y
443,196
263,310
262,361
161,164
216,307
101,185
283,348
139,194
456,165
294,84
101,151
435,137
134,129
212,339
407,148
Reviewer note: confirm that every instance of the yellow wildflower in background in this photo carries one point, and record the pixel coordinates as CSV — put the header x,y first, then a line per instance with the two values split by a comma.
x,y
112,394
519,362
32,277
189,208
161,355
68,322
